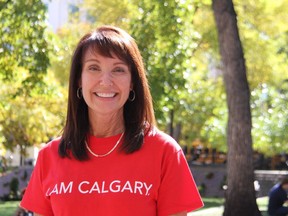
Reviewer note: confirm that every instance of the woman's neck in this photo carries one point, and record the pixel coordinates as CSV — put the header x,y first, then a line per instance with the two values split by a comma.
x,y
105,126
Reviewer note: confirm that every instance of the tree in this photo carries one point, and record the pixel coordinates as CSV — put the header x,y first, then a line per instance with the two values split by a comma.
x,y
269,123
27,120
64,42
240,197
163,33
117,12
31,102
263,31
202,111
23,42
263,28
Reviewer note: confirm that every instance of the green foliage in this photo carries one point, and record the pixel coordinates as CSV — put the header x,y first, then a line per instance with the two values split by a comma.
x,y
117,12
31,100
64,42
269,119
205,112
23,43
263,30
176,56
165,35
34,119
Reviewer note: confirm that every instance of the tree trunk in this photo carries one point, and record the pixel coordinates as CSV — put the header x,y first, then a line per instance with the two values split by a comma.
x,y
171,125
21,152
240,195
177,131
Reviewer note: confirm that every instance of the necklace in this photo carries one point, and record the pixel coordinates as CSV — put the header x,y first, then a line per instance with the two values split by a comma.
x,y
104,155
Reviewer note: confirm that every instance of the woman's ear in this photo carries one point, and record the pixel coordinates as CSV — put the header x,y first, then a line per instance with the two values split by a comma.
x,y
80,83
131,86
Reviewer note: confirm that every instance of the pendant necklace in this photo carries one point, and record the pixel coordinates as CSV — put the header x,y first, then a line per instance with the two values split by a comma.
x,y
104,155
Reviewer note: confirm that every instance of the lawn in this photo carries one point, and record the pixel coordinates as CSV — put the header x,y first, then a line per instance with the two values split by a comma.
x,y
8,208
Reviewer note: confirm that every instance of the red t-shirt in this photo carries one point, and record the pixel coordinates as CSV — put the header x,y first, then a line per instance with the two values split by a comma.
x,y
155,180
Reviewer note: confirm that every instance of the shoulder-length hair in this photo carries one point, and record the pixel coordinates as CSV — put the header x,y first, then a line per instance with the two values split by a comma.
x,y
138,114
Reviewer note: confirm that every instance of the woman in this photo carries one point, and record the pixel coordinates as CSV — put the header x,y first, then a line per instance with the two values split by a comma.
x,y
110,159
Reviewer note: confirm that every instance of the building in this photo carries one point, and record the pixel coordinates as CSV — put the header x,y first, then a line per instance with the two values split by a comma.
x,y
58,11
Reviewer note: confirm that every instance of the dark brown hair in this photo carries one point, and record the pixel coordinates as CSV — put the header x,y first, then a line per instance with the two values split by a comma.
x,y
138,114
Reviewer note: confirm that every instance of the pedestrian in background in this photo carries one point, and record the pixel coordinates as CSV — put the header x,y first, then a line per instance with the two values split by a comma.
x,y
278,201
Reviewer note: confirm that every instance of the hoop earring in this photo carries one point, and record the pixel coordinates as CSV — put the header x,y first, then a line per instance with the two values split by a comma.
x,y
132,95
79,93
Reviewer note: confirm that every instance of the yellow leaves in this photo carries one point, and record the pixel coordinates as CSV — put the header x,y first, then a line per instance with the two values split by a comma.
x,y
30,119
117,12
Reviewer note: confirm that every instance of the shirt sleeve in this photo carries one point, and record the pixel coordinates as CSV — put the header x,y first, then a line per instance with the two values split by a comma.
x,y
34,198
178,191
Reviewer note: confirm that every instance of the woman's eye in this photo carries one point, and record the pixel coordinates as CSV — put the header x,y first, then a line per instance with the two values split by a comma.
x,y
119,69
94,68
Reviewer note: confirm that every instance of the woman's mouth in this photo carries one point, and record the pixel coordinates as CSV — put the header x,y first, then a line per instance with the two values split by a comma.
x,y
105,95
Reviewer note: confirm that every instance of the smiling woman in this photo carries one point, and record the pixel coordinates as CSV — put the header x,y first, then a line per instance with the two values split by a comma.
x,y
111,159
105,83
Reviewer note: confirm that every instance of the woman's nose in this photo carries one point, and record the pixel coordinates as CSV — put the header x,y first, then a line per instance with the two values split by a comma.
x,y
106,79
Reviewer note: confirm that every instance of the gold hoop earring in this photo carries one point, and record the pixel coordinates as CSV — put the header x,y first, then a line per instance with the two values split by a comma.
x,y
132,95
79,93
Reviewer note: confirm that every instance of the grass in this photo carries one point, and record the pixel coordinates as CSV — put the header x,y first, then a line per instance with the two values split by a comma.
x,y
212,202
262,205
213,207
8,208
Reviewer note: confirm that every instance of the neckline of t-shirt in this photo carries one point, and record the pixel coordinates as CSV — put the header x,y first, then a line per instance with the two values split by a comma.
x,y
102,140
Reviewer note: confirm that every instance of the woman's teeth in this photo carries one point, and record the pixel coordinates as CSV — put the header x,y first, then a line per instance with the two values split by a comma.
x,y
106,95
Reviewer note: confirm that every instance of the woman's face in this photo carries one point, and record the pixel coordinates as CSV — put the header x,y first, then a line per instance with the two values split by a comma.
x,y
106,83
